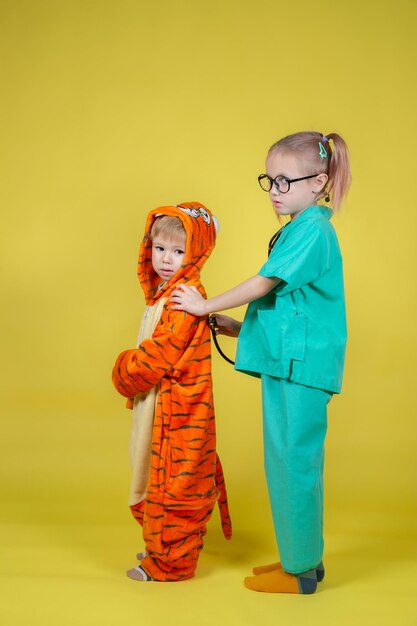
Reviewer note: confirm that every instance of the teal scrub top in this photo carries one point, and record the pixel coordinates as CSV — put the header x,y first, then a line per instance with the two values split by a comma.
x,y
298,330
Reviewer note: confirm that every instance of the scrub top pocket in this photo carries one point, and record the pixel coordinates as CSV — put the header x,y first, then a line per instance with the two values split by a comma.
x,y
283,337
270,336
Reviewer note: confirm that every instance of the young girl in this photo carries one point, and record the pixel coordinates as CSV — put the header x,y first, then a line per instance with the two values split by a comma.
x,y
293,337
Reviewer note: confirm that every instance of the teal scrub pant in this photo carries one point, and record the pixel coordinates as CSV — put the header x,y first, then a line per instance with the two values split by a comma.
x,y
295,425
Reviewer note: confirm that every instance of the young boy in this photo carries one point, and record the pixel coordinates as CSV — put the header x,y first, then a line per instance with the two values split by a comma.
x,y
176,473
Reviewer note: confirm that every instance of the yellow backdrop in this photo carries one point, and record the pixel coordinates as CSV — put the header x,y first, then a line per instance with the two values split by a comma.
x,y
108,110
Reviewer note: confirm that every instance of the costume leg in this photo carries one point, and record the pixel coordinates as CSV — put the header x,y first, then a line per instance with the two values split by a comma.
x,y
137,511
295,424
173,539
137,573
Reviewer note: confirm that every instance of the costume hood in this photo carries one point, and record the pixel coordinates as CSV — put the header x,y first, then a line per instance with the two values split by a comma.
x,y
200,229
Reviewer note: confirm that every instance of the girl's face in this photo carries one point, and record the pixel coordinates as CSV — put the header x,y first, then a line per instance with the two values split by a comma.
x,y
301,194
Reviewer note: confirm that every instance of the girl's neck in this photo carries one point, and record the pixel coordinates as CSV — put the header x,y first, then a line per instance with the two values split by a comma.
x,y
295,215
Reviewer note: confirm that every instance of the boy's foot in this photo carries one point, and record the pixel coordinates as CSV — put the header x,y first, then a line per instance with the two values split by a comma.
x,y
279,581
138,573
272,567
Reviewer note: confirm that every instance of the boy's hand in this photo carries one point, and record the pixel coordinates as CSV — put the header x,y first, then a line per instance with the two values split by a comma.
x,y
188,299
227,325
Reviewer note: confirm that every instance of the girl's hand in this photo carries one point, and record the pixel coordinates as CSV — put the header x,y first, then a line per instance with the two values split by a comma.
x,y
227,325
188,299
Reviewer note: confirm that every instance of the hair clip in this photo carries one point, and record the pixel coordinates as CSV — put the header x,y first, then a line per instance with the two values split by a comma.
x,y
325,139
322,151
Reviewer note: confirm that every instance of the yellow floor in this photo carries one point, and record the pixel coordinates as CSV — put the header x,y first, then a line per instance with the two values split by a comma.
x,y
74,574
67,540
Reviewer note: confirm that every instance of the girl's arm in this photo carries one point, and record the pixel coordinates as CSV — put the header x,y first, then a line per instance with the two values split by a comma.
x,y
188,298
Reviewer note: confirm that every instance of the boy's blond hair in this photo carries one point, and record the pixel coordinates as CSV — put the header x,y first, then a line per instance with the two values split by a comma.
x,y
170,227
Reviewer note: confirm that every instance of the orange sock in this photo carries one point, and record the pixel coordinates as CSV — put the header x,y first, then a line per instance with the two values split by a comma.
x,y
279,581
265,569
272,567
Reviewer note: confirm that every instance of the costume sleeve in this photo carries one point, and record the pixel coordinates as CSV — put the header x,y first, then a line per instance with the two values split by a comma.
x,y
301,258
141,369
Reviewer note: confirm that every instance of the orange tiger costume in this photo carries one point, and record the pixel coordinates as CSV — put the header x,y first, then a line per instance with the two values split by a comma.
x,y
177,475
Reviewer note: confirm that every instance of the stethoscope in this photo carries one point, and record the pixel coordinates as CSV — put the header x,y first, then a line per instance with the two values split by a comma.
x,y
212,318
275,238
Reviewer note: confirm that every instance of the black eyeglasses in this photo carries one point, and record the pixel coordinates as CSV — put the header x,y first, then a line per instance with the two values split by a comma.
x,y
281,182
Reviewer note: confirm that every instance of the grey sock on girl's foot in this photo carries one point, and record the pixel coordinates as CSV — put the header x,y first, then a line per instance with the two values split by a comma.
x,y
307,581
320,571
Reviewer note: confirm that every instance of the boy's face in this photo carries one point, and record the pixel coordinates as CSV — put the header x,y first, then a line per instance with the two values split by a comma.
x,y
167,256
